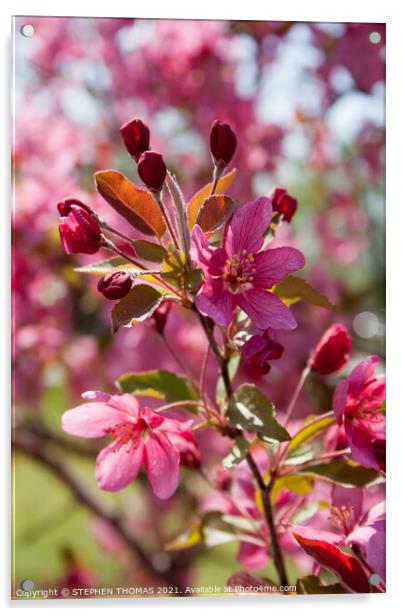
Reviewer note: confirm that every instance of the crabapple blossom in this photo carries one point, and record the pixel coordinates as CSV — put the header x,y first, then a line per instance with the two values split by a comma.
x,y
332,350
79,232
241,273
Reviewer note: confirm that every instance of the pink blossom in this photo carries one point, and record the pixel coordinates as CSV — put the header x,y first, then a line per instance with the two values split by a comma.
x,y
357,404
258,351
241,274
140,437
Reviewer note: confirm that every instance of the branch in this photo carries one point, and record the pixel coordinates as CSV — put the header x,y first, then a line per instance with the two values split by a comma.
x,y
35,449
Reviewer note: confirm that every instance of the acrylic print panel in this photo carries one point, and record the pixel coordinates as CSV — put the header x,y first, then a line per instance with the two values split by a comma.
x,y
198,280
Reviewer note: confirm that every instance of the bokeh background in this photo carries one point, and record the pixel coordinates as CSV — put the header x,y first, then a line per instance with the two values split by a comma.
x,y
306,101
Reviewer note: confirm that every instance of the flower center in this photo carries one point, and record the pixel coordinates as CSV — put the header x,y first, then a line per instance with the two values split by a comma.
x,y
239,271
128,431
343,517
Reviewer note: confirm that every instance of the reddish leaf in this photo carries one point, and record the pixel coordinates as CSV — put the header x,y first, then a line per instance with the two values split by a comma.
x,y
214,212
135,307
346,567
198,199
136,205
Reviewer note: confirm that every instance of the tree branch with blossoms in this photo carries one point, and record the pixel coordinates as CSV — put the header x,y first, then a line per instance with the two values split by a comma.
x,y
214,258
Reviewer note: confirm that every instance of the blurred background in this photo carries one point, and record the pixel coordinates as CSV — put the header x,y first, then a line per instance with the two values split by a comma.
x,y
306,101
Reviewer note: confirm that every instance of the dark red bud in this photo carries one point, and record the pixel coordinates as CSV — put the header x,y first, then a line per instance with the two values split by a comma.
x,y
115,285
283,203
136,137
152,170
79,232
160,316
64,206
222,142
332,350
257,352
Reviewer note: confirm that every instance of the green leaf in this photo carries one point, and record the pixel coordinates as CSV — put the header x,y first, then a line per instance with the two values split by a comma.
x,y
309,431
149,251
344,472
311,585
160,384
302,454
296,483
105,266
238,452
294,288
250,410
136,306
190,537
173,269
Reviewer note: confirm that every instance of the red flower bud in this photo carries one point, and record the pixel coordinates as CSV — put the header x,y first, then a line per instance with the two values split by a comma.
x,y
152,170
332,350
79,232
185,442
115,285
64,206
256,353
222,142
283,203
160,316
135,135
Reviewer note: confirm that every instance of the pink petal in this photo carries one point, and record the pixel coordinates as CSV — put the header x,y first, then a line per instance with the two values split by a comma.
x,y
126,403
362,373
162,464
212,260
266,309
214,301
376,556
118,464
92,420
246,228
252,556
96,396
339,399
348,497
275,264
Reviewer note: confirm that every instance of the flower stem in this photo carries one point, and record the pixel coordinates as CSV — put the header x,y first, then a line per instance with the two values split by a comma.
x,y
296,394
181,215
166,219
269,516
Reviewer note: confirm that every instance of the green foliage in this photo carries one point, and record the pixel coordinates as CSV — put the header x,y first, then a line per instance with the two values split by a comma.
x,y
160,384
311,585
251,410
136,306
310,430
149,251
344,472
238,452
294,288
105,266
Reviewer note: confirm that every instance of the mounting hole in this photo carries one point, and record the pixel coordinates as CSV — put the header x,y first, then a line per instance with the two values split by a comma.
x,y
27,30
374,37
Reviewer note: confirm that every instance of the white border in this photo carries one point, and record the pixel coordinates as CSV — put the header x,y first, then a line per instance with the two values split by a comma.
x,y
309,10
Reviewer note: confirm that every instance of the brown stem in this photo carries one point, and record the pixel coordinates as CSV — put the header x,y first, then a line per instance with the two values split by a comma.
x,y
35,449
221,359
269,516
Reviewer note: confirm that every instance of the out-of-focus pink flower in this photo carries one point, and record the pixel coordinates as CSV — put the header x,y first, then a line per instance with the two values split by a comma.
x,y
136,137
222,142
240,273
141,437
152,170
190,455
357,404
332,350
258,351
79,232
115,285
283,203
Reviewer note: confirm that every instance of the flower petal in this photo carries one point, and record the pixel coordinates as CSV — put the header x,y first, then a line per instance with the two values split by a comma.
x,y
214,301
274,264
118,464
362,373
92,420
339,399
266,309
247,226
346,567
252,556
212,260
162,464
